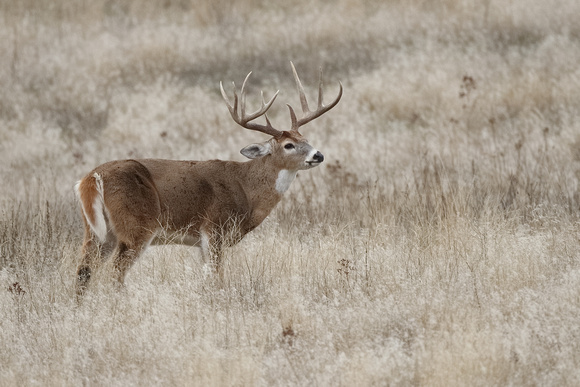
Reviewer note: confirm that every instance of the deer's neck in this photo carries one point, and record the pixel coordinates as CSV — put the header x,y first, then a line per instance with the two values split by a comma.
x,y
269,179
264,185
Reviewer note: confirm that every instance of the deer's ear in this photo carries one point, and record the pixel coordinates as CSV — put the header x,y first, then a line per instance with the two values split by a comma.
x,y
255,151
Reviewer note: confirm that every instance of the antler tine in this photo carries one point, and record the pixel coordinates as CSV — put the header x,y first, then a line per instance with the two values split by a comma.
x,y
263,109
294,125
303,100
244,120
307,114
320,88
232,109
243,96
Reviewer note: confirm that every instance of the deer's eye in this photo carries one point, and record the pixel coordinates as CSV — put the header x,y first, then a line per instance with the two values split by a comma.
x,y
289,146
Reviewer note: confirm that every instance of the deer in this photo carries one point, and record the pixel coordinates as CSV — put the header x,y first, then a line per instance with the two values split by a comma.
x,y
127,205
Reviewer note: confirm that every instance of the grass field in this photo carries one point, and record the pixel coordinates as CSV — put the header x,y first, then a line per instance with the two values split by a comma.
x,y
438,245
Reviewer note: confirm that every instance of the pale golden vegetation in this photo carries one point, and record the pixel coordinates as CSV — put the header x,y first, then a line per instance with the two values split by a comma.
x,y
437,245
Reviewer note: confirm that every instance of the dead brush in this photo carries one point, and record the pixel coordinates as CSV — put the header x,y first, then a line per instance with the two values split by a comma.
x,y
16,289
288,335
346,273
34,234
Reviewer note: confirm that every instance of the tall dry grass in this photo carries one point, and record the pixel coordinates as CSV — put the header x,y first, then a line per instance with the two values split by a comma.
x,y
437,245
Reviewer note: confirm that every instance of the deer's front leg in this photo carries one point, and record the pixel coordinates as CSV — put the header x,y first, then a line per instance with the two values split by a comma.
x,y
211,249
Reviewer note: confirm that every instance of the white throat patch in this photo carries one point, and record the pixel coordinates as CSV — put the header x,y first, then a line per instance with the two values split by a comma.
x,y
285,178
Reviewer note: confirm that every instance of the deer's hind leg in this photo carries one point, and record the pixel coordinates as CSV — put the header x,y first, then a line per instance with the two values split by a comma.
x,y
127,252
134,213
93,253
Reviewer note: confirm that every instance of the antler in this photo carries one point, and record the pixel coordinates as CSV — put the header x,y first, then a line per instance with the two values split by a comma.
x,y
320,110
243,119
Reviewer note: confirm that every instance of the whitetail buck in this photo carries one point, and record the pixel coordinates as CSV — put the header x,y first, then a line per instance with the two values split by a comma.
x,y
128,204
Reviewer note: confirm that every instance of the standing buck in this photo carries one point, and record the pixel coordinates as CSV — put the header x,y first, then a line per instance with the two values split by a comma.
x,y
128,204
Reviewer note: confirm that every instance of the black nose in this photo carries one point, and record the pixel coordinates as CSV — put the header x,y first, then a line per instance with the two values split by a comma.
x,y
318,157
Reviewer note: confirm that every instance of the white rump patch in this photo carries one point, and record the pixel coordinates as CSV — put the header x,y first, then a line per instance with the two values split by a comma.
x,y
100,226
285,178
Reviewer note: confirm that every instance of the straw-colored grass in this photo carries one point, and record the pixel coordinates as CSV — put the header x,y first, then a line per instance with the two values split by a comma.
x,y
437,245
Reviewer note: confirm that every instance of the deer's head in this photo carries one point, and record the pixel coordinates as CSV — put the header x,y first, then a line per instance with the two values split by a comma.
x,y
288,150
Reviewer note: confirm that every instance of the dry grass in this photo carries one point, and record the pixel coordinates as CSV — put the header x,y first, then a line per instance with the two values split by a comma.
x,y
438,245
